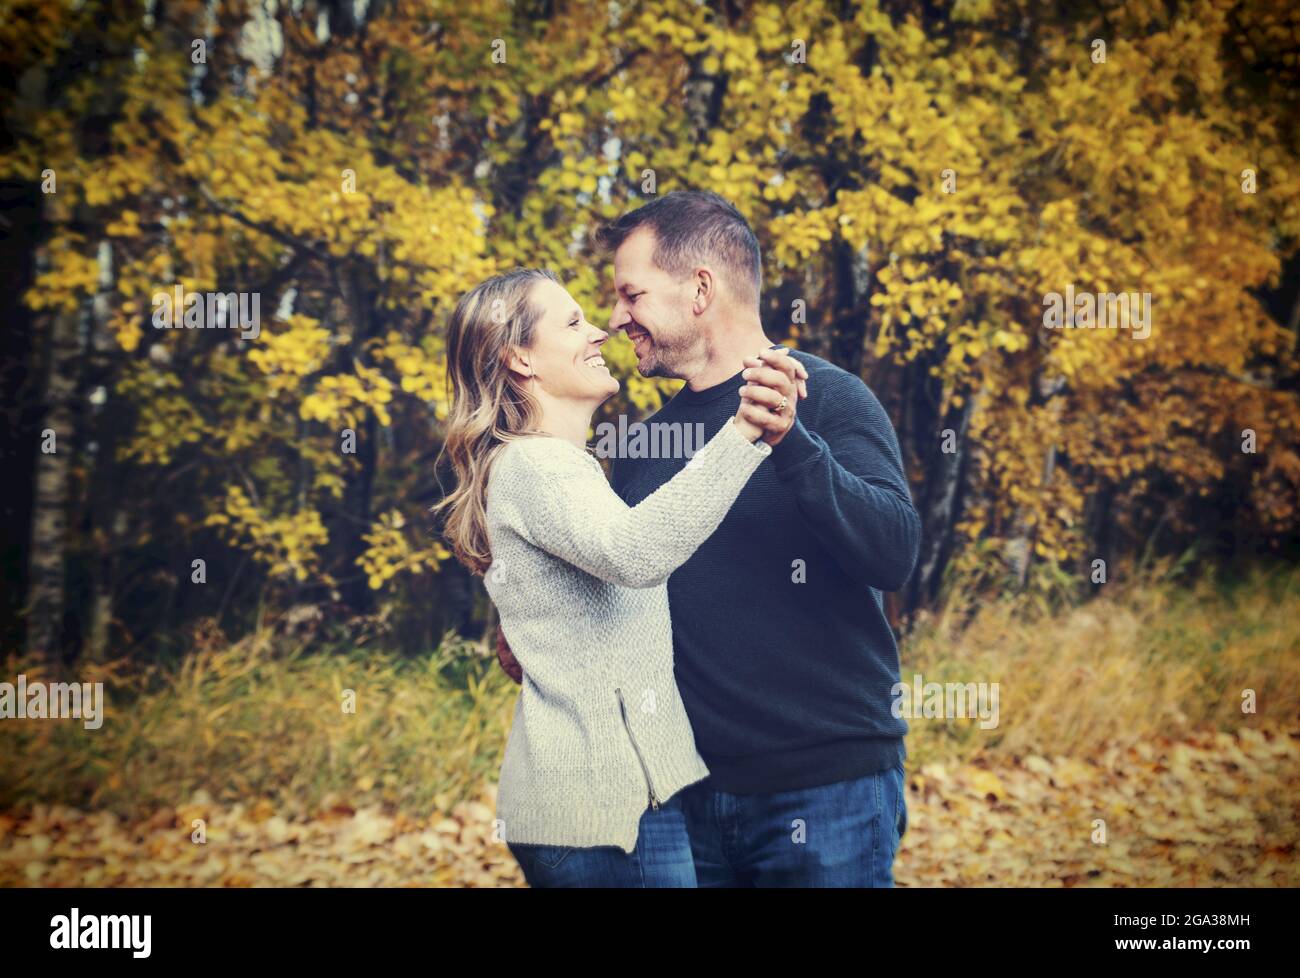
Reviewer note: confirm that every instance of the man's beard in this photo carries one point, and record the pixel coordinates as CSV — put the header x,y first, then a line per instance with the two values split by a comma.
x,y
656,367
666,360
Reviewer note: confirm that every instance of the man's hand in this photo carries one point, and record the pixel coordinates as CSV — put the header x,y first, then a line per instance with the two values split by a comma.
x,y
774,383
506,659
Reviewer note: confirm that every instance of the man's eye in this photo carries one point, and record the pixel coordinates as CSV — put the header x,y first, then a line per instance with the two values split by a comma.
x,y
632,297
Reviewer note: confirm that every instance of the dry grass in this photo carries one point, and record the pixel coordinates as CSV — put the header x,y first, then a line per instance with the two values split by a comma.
x,y
1137,662
251,720
262,718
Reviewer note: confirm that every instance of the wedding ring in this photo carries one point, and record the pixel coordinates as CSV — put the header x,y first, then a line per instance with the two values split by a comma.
x,y
781,407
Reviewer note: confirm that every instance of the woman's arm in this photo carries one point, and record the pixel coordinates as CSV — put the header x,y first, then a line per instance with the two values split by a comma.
x,y
557,497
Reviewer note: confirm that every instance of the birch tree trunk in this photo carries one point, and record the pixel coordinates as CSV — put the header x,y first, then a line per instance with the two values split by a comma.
x,y
53,470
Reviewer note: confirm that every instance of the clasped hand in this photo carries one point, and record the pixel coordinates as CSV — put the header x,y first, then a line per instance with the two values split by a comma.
x,y
774,384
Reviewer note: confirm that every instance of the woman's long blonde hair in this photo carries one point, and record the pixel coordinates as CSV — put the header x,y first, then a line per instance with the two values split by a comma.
x,y
489,406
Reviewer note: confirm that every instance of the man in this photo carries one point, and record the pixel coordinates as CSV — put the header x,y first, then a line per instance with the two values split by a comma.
x,y
782,651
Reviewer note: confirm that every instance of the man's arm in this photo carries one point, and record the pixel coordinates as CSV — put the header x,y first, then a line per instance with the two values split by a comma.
x,y
506,659
849,485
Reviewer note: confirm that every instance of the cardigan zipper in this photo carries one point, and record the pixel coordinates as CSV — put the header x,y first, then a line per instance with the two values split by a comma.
x,y
654,802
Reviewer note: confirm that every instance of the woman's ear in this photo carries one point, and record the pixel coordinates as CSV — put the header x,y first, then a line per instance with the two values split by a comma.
x,y
519,362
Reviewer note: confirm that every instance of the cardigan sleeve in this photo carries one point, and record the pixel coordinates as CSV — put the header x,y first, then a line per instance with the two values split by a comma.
x,y
556,496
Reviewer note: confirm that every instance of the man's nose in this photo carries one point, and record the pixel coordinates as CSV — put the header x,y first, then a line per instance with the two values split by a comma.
x,y
620,317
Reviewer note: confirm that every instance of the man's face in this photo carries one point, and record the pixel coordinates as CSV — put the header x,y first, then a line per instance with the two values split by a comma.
x,y
654,309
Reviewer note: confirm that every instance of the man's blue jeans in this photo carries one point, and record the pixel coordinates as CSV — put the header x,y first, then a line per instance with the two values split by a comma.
x,y
662,857
834,835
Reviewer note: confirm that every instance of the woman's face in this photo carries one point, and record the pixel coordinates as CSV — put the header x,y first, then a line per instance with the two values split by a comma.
x,y
565,358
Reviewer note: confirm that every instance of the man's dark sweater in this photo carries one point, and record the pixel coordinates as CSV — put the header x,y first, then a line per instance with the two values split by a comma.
x,y
782,652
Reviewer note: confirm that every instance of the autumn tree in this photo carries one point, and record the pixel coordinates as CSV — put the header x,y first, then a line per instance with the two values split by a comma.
x,y
923,179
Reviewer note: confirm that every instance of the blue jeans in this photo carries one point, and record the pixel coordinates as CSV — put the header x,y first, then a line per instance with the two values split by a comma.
x,y
662,857
834,835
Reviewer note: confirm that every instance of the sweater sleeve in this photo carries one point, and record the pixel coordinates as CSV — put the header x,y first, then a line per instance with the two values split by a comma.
x,y
559,500
849,485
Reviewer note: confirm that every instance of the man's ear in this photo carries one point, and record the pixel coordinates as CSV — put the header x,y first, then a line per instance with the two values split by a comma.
x,y
519,362
706,290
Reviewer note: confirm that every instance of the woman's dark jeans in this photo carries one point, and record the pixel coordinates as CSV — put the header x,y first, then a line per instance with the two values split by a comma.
x,y
662,857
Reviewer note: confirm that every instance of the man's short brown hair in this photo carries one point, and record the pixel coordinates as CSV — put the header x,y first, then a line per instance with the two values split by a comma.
x,y
692,228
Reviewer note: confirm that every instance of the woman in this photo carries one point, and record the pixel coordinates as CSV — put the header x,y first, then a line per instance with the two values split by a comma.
x,y
600,744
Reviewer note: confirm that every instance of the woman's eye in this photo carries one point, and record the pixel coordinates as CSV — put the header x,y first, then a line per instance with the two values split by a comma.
x,y
573,324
